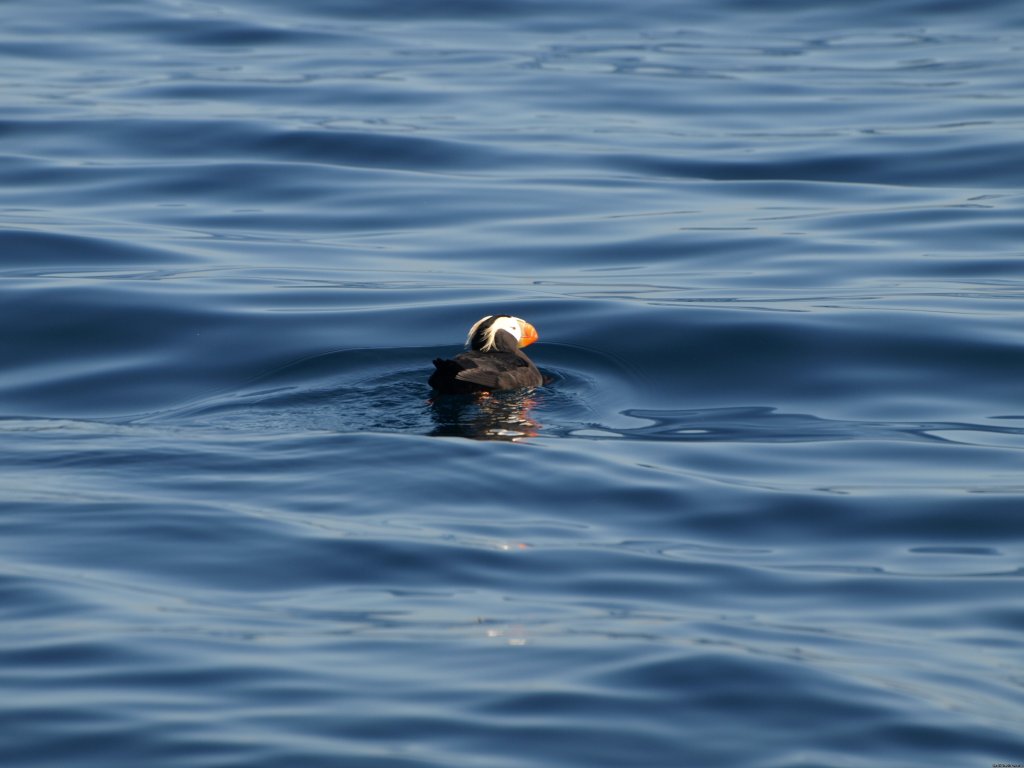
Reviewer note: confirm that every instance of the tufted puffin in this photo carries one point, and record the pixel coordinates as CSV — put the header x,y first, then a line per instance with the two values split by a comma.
x,y
494,360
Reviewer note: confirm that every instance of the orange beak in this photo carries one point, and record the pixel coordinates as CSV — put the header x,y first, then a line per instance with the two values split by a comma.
x,y
529,335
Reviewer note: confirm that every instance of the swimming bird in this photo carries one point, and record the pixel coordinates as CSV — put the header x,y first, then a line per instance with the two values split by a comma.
x,y
494,360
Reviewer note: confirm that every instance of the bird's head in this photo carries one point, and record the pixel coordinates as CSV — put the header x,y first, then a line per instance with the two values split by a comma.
x,y
483,335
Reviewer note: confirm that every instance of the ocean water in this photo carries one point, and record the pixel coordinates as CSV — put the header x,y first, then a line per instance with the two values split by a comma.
x,y
768,511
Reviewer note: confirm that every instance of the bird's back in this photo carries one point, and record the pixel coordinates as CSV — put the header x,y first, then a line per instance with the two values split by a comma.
x,y
484,371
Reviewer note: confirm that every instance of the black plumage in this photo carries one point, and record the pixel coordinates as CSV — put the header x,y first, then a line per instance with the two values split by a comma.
x,y
495,360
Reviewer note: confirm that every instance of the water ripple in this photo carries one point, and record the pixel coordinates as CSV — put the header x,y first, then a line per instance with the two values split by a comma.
x,y
771,486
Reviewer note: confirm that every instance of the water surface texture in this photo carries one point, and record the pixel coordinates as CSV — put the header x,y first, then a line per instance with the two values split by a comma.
x,y
768,512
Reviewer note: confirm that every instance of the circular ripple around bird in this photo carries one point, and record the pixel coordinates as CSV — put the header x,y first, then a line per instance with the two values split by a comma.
x,y
385,390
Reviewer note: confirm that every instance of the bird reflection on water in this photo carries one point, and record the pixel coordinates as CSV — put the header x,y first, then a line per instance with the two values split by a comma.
x,y
496,416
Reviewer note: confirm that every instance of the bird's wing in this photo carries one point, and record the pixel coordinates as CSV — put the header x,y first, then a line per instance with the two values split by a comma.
x,y
479,376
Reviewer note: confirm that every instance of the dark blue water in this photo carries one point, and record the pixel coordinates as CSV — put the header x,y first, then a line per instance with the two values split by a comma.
x,y
769,512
